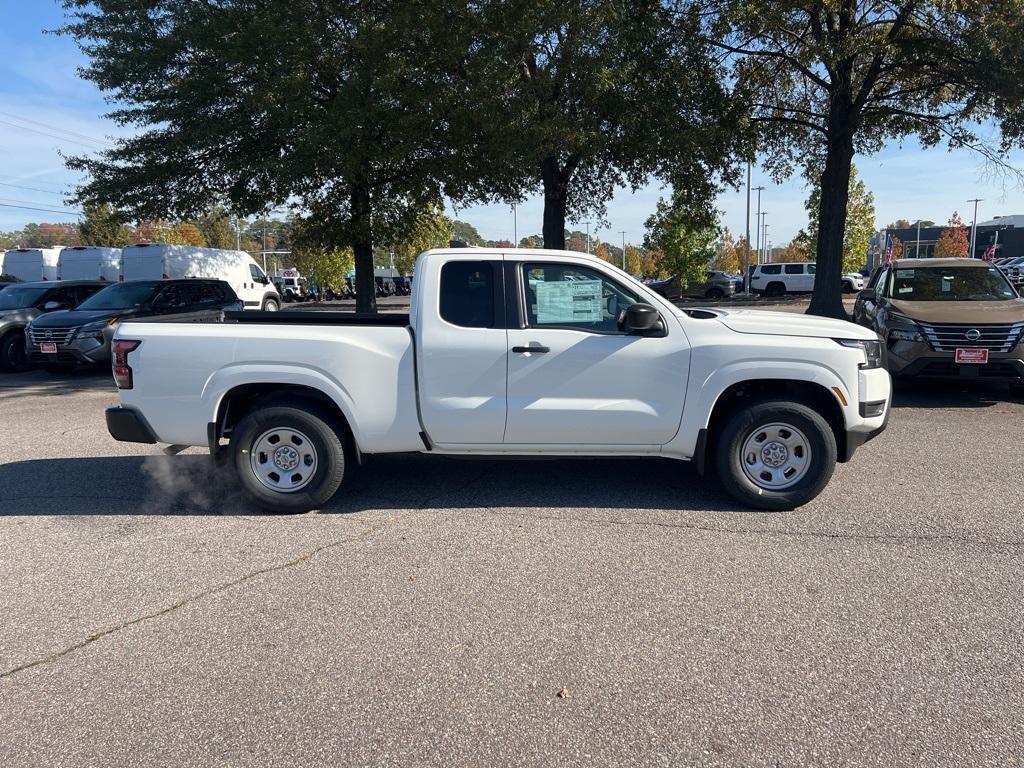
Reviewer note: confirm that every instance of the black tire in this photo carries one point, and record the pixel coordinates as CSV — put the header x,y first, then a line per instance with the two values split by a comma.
x,y
714,293
847,286
270,305
775,290
326,440
13,358
744,425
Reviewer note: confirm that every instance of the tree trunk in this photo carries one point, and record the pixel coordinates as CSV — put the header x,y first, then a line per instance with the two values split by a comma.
x,y
827,299
362,247
556,196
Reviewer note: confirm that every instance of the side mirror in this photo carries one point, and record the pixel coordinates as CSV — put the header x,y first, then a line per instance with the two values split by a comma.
x,y
641,317
869,294
50,306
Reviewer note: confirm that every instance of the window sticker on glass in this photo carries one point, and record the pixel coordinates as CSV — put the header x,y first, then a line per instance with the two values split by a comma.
x,y
576,301
904,290
904,273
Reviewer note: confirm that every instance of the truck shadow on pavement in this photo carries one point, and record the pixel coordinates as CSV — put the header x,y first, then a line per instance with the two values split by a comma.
x,y
189,485
923,393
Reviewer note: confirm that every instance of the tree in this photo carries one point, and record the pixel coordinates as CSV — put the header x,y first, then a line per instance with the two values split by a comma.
x,y
953,242
799,249
686,244
830,78
354,115
597,94
430,229
216,229
859,226
467,233
601,252
187,233
728,253
103,226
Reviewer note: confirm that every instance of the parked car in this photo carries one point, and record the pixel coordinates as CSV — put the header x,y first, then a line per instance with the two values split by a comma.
x,y
715,285
774,280
22,303
156,261
291,285
1014,270
60,341
946,318
508,352
31,264
87,262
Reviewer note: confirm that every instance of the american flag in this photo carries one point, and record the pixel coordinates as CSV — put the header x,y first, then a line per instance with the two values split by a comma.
x,y
888,248
989,253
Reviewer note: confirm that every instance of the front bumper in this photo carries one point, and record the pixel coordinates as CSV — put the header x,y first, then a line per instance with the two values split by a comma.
x,y
918,359
129,426
87,350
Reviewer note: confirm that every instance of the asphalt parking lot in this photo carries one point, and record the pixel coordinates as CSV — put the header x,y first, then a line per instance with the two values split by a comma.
x,y
432,614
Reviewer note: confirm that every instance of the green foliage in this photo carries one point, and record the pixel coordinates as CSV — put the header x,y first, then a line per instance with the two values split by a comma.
x,y
467,233
216,229
322,263
103,226
860,223
686,245
429,229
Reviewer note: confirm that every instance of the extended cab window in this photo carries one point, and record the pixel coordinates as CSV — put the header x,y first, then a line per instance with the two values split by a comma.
x,y
771,269
467,294
567,296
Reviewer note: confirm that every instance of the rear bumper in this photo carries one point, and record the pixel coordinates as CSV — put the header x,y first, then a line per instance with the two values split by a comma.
x,y
129,426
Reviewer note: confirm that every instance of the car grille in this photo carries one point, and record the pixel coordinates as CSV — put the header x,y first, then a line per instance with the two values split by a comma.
x,y
947,337
60,336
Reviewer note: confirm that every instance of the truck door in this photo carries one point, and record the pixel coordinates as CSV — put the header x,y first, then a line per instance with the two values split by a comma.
x,y
575,377
462,351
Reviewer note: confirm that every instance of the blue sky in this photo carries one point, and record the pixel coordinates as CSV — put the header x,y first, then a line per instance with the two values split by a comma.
x,y
45,109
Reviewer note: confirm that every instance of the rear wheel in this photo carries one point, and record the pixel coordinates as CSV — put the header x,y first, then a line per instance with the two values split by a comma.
x,y
13,358
289,458
714,293
775,290
775,455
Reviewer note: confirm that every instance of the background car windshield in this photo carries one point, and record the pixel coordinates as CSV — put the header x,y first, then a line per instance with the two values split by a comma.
x,y
950,284
120,296
20,297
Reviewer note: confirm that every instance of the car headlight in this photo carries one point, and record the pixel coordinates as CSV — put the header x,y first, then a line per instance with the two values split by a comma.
x,y
872,351
96,328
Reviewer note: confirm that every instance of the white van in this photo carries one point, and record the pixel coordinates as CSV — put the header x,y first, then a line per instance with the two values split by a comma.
x,y
157,261
89,262
32,264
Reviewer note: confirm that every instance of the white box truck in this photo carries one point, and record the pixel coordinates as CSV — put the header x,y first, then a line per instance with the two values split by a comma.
x,y
32,264
158,261
89,262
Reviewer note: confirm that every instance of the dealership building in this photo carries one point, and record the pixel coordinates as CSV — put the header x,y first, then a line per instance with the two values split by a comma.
x,y
1005,232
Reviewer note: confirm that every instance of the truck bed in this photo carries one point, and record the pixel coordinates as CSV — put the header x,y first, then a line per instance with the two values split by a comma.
x,y
306,317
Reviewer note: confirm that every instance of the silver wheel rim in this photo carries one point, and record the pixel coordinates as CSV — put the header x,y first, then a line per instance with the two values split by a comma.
x,y
271,306
283,460
775,456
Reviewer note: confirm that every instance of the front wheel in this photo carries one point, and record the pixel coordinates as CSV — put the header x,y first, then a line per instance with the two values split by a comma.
x,y
714,293
270,305
289,458
775,291
13,358
776,455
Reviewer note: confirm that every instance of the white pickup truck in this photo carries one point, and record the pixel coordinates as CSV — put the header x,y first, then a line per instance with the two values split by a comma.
x,y
508,352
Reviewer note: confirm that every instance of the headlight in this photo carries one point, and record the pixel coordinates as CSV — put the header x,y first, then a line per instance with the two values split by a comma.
x,y
872,351
898,334
96,328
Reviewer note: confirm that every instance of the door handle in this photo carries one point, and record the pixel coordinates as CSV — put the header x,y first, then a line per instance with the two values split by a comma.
x,y
523,350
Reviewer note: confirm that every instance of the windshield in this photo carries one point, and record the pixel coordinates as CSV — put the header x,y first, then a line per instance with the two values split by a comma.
x,y
20,296
950,284
120,296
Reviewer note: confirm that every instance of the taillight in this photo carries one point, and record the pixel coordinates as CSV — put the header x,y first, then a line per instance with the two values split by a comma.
x,y
119,350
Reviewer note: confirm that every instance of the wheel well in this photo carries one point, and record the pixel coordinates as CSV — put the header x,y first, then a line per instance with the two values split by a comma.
x,y
779,283
239,401
808,393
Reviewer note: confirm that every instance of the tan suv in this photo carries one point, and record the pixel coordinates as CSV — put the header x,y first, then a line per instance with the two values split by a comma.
x,y
946,318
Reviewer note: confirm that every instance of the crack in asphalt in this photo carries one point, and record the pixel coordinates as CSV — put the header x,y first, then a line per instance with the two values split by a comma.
x,y
1008,544
295,561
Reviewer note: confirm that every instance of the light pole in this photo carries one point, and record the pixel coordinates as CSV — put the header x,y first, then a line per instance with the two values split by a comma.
x,y
588,237
515,227
623,233
766,252
759,190
746,242
974,224
917,250
763,216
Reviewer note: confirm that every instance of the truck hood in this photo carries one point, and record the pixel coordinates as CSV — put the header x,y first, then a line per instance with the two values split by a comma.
x,y
790,324
964,312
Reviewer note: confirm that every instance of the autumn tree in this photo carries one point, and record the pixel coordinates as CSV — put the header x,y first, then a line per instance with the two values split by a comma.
x,y
798,249
953,242
728,253
597,94
430,228
859,226
103,226
831,78
216,229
